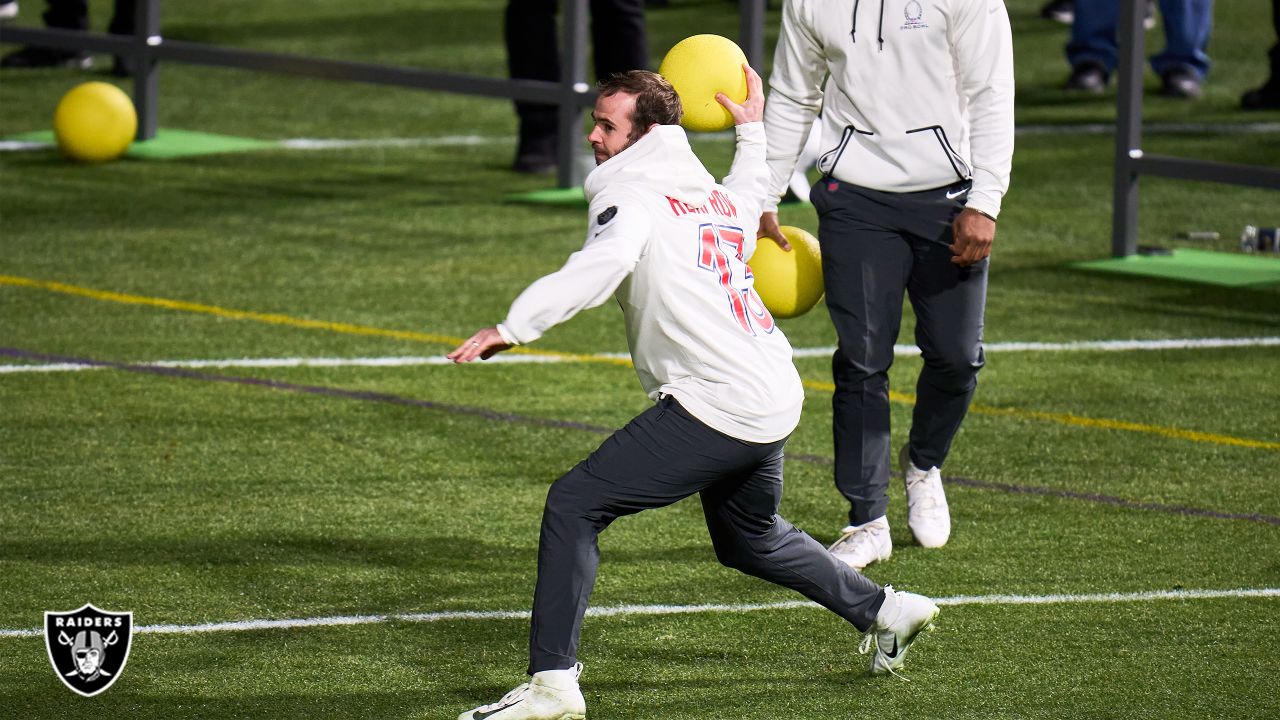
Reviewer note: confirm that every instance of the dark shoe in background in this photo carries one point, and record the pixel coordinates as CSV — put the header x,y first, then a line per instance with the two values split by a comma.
x,y
1181,83
535,155
531,165
1266,97
34,56
1088,77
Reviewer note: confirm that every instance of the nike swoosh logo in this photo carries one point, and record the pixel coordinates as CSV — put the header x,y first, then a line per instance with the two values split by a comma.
x,y
482,716
894,654
956,194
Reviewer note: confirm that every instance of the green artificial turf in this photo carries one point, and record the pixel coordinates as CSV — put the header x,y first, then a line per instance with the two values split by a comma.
x,y
355,490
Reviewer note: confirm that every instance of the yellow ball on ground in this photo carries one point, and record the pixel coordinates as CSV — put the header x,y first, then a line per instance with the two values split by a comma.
x,y
789,283
95,122
700,66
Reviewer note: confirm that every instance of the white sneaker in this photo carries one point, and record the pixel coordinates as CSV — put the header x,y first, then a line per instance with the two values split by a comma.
x,y
861,545
549,695
902,617
927,513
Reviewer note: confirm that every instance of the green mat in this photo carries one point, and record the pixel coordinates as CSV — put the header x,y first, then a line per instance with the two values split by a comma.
x,y
169,144
571,196
1199,266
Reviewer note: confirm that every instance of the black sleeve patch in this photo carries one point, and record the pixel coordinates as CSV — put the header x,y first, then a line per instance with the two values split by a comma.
x,y
607,215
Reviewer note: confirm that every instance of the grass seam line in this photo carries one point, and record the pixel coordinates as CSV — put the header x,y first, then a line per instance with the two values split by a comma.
x,y
1086,422
367,395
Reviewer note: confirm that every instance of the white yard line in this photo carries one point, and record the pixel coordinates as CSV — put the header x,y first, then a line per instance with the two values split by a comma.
x,y
340,144
900,350
640,610
1094,345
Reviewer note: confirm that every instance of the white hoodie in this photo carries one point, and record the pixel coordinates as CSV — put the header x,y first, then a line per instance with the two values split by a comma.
x,y
920,94
671,243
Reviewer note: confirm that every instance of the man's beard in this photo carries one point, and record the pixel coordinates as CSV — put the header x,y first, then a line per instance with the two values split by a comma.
x,y
631,140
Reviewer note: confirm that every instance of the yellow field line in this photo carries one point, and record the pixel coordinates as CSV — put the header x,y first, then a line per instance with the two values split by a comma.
x,y
447,340
271,318
1078,421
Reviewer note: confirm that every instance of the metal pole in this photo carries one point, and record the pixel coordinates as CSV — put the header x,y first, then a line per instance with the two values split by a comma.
x,y
146,70
573,84
1128,148
751,31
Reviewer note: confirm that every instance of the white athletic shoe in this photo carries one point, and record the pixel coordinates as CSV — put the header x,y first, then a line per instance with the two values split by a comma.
x,y
861,545
902,617
549,695
927,513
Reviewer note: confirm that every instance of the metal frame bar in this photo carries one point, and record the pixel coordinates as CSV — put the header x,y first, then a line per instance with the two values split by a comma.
x,y
1128,142
573,82
751,31
1131,162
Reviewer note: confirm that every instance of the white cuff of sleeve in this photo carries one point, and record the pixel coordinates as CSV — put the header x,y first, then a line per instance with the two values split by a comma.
x,y
507,337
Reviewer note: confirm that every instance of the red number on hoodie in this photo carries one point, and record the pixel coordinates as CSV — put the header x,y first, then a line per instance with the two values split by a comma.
x,y
744,303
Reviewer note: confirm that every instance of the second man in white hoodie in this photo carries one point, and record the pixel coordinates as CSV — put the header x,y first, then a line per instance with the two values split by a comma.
x,y
917,141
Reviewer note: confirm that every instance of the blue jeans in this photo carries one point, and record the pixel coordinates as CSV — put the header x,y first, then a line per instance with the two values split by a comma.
x,y
1187,24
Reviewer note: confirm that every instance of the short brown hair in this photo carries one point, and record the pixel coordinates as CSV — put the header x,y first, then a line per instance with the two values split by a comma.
x,y
656,101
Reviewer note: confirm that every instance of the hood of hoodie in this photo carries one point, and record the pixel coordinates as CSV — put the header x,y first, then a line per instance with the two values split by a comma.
x,y
661,161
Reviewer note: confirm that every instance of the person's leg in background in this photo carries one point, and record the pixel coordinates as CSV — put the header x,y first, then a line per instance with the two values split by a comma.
x,y
122,23
619,43
1183,63
533,54
1091,50
618,36
62,15
1267,95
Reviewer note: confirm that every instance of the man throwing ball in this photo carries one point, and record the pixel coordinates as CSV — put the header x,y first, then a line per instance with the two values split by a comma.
x,y
670,244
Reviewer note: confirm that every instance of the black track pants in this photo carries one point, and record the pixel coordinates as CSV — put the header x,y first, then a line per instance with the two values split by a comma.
x,y
662,456
876,246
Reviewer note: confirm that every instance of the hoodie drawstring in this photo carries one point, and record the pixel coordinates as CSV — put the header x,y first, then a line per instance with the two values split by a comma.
x,y
880,27
853,32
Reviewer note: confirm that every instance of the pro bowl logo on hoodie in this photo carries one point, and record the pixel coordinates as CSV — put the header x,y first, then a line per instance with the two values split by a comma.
x,y
88,647
914,14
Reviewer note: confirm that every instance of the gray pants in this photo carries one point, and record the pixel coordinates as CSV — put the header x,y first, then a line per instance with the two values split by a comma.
x,y
662,456
876,246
